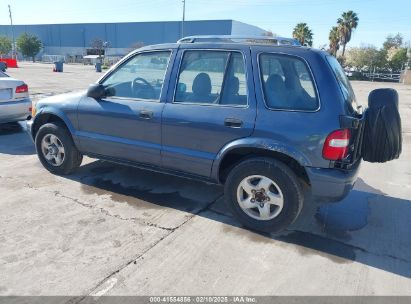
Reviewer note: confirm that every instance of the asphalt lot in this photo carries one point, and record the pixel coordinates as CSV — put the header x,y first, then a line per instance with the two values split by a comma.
x,y
113,230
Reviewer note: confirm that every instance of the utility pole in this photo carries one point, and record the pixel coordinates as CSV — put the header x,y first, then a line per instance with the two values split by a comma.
x,y
184,18
13,56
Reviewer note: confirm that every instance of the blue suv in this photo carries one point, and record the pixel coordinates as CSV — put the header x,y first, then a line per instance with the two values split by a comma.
x,y
262,118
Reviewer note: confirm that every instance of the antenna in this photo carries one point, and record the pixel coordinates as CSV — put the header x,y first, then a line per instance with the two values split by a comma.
x,y
13,56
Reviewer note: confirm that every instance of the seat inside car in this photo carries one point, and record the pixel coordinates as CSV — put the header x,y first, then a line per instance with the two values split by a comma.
x,y
201,89
230,93
276,91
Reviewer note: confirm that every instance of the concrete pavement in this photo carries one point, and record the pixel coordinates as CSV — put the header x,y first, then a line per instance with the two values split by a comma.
x,y
113,230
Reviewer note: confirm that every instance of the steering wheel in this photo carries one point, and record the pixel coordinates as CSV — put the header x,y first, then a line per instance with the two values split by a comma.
x,y
141,88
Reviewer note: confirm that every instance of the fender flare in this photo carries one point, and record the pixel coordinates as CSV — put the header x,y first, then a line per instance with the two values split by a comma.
x,y
56,112
258,143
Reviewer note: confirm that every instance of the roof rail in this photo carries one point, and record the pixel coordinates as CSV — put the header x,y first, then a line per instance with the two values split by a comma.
x,y
240,39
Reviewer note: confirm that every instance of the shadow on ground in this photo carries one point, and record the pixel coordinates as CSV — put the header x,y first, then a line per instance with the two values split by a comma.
x,y
368,226
14,140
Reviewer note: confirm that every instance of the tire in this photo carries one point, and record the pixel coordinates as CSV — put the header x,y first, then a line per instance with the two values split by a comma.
x,y
382,139
71,158
283,183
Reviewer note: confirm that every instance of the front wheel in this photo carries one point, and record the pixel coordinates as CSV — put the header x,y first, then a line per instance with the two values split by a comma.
x,y
56,149
264,194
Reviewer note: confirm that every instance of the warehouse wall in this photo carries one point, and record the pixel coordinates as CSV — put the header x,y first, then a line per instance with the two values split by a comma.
x,y
73,39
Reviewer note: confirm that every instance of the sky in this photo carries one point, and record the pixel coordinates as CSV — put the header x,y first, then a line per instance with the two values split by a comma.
x,y
378,18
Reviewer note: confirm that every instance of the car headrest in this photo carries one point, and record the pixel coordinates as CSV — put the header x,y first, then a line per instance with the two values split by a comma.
x,y
202,84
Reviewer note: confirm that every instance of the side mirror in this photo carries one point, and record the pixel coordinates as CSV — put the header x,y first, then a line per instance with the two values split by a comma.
x,y
96,91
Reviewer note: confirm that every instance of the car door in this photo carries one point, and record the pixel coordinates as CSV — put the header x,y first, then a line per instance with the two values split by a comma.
x,y
212,104
127,123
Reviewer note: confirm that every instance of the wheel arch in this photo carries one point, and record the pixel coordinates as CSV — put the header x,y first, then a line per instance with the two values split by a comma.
x,y
46,117
234,153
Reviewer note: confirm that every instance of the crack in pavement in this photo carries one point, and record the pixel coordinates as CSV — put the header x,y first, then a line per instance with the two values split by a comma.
x,y
101,209
207,209
138,257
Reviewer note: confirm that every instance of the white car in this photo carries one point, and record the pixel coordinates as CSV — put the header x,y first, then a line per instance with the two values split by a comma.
x,y
15,103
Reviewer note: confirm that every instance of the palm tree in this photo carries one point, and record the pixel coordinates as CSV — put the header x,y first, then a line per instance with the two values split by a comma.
x,y
334,38
346,25
303,34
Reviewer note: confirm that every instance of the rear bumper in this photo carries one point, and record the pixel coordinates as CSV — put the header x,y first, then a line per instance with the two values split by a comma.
x,y
13,111
332,185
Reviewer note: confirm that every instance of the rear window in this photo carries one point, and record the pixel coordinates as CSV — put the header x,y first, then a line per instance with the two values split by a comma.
x,y
287,83
3,74
344,83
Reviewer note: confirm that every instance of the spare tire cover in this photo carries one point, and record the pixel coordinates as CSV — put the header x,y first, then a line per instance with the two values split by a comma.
x,y
382,138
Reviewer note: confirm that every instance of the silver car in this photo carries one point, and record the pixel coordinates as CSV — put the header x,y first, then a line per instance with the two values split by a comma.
x,y
15,103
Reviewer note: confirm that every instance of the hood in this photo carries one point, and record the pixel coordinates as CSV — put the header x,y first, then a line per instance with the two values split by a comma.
x,y
61,100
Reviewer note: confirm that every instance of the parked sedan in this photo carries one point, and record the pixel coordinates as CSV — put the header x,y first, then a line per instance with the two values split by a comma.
x,y
15,103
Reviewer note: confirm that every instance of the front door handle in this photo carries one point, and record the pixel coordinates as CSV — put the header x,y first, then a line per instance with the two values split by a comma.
x,y
233,123
146,114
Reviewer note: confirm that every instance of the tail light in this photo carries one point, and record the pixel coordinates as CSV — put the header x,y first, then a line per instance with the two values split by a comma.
x,y
22,88
336,145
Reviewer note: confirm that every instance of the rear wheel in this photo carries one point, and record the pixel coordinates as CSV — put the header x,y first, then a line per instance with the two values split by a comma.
x,y
56,149
264,194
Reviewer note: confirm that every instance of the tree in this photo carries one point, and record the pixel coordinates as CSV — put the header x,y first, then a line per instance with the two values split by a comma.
x,y
334,38
29,45
99,46
395,52
5,46
346,26
393,41
396,58
363,58
303,34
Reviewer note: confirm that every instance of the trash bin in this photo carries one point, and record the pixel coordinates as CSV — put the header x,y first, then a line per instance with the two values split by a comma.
x,y
98,67
58,66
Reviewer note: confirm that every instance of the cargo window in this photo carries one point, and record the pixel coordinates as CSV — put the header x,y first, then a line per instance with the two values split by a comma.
x,y
287,83
344,84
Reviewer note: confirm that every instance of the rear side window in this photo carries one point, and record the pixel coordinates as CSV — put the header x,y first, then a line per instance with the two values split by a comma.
x,y
212,77
344,83
287,83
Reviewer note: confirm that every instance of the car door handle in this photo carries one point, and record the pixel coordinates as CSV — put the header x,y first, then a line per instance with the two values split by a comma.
x,y
233,123
145,114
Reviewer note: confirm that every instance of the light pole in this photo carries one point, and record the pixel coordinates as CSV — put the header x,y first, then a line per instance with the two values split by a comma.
x,y
13,56
184,18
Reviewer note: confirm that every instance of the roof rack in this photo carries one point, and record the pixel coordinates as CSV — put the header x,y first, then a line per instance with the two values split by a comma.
x,y
240,39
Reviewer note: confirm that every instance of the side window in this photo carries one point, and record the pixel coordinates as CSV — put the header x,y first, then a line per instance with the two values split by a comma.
x,y
235,83
141,77
287,83
212,77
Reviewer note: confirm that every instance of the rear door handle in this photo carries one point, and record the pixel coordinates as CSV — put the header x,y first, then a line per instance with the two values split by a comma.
x,y
233,123
146,114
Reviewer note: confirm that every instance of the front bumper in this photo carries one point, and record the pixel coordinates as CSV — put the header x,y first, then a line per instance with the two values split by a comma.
x,y
332,185
12,111
29,127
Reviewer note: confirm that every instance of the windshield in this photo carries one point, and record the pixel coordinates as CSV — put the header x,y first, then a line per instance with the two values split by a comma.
x,y
344,83
3,74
